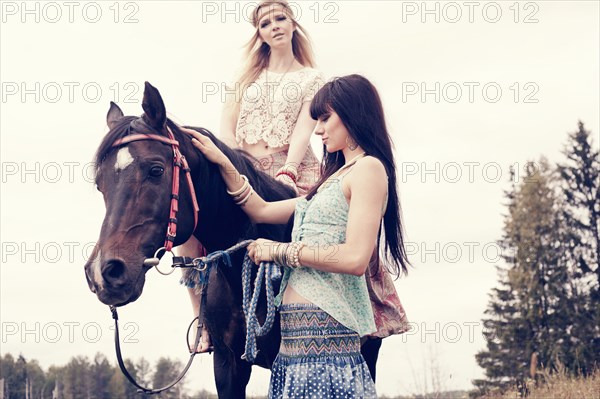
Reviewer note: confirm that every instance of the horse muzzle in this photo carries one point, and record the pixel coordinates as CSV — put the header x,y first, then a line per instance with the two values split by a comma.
x,y
111,282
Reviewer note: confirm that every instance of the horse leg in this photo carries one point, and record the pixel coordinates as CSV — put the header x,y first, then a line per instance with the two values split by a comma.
x,y
231,375
225,322
370,351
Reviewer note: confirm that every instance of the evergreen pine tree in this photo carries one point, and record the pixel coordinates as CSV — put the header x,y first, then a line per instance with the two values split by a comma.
x,y
547,302
580,188
525,313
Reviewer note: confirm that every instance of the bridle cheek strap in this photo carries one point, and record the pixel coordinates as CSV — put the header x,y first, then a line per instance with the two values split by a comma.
x,y
179,163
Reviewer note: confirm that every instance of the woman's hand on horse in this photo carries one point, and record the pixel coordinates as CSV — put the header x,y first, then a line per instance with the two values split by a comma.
x,y
206,146
261,250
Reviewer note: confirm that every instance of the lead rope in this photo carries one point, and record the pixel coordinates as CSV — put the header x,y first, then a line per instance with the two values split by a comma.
x,y
268,270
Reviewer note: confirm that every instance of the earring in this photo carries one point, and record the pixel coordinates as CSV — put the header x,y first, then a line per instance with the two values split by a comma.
x,y
351,143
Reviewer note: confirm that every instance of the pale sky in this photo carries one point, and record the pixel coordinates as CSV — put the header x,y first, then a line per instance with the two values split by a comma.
x,y
486,86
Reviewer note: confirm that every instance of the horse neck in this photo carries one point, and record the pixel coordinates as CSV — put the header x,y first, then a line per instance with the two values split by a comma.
x,y
221,223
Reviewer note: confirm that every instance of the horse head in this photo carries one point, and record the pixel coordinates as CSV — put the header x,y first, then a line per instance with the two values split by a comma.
x,y
136,178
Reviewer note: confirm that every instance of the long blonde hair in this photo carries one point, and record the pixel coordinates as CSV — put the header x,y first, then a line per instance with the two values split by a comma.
x,y
257,53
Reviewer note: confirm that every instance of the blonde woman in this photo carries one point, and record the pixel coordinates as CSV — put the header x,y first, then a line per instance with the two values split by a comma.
x,y
269,116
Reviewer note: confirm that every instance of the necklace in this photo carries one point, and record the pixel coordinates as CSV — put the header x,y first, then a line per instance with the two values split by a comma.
x,y
269,105
337,173
352,161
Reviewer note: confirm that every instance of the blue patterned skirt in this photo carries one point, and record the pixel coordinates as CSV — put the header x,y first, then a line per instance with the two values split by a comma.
x,y
318,358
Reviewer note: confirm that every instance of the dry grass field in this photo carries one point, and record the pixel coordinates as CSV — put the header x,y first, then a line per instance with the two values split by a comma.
x,y
559,386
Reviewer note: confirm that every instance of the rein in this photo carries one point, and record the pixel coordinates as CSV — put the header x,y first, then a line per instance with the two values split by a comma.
x,y
269,271
142,389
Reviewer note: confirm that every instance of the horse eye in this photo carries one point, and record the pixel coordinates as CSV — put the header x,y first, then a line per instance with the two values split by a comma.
x,y
157,171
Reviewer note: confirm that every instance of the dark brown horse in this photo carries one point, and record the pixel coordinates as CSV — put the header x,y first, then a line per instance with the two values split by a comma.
x,y
135,180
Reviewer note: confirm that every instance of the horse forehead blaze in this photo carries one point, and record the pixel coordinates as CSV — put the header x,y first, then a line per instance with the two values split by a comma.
x,y
124,159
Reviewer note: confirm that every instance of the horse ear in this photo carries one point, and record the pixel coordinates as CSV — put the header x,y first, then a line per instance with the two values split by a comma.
x,y
154,107
113,116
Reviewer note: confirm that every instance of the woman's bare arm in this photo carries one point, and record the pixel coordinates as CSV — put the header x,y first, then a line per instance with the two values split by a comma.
x,y
368,187
259,210
300,139
229,118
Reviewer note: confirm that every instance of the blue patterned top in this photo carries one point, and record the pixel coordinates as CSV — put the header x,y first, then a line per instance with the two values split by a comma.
x,y
322,221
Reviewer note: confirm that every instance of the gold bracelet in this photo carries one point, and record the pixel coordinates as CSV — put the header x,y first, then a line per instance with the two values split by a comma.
x,y
290,255
297,254
277,254
274,251
281,254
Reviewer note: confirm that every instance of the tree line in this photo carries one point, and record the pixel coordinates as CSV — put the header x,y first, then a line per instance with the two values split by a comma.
x,y
83,378
545,314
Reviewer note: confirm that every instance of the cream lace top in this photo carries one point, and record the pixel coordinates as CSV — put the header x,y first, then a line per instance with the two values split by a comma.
x,y
284,94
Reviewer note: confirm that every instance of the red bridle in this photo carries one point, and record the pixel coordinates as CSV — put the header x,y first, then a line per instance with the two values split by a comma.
x,y
179,162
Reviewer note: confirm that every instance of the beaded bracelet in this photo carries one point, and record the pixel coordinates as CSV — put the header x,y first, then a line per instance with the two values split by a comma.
x,y
288,169
288,174
293,259
291,167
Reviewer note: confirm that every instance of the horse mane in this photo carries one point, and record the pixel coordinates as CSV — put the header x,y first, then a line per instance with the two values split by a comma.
x,y
263,183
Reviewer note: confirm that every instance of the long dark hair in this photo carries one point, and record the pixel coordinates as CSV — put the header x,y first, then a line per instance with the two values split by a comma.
x,y
358,105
